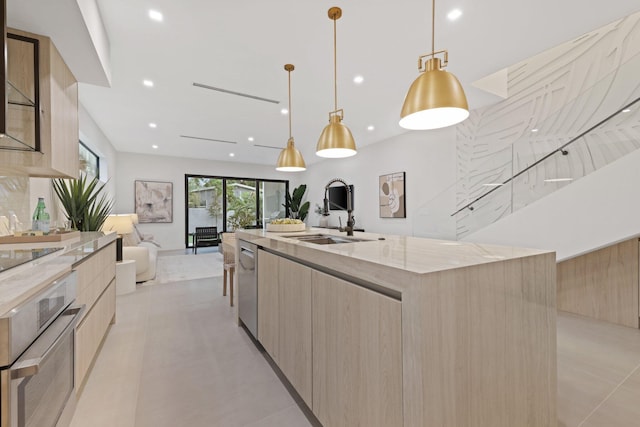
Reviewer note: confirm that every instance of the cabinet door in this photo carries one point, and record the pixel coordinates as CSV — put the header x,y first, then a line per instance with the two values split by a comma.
x,y
58,113
268,305
357,355
294,356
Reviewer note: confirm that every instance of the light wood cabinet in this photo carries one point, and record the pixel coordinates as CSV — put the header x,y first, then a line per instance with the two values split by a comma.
x,y
294,354
284,318
602,284
58,113
357,355
268,305
96,290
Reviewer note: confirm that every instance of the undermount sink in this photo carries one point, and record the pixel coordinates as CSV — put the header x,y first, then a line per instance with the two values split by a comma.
x,y
327,239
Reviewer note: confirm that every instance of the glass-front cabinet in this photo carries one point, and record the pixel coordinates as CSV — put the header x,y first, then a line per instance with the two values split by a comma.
x,y
20,125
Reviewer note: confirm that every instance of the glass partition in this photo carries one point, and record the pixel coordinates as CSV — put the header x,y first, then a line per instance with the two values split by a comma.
x,y
606,117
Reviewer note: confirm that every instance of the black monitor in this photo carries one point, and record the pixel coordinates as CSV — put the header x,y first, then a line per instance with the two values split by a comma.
x,y
338,198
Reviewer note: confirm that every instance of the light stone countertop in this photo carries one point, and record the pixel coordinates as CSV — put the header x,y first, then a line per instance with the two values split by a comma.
x,y
394,262
19,283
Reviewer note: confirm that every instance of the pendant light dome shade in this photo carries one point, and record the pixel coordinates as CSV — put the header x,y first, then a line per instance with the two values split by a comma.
x,y
290,159
336,140
435,100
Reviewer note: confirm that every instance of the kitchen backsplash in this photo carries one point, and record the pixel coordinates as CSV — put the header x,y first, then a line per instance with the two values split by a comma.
x,y
14,200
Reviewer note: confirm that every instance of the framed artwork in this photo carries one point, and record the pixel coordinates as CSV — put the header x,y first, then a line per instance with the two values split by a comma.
x,y
391,192
154,201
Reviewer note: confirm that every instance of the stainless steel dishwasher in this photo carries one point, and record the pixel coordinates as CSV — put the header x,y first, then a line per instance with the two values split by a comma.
x,y
248,286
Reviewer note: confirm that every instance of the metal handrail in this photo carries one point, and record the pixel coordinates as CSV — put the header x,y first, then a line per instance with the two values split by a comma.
x,y
562,150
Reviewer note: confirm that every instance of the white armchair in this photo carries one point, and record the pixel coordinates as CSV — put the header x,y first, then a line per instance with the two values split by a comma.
x,y
146,256
143,252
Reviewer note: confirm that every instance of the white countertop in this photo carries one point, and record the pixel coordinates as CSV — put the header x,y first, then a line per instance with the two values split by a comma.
x,y
19,283
415,254
394,261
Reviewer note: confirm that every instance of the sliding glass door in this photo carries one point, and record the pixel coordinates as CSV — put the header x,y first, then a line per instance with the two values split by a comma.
x,y
229,203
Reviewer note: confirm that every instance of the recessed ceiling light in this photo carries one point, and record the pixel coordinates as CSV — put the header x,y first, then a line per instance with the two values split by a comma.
x,y
147,83
284,111
454,14
153,125
371,127
232,155
358,79
250,139
534,130
154,146
156,16
626,110
558,179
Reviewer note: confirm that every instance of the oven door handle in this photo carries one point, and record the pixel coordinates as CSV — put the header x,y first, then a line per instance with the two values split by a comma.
x,y
31,365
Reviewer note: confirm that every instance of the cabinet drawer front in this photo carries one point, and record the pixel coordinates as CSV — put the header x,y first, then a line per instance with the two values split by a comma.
x,y
94,275
90,333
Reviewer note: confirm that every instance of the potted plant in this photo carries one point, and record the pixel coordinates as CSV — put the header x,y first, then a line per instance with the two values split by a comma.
x,y
297,209
84,201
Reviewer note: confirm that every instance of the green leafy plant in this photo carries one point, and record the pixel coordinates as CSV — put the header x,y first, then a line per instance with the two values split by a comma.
x,y
298,209
84,201
243,210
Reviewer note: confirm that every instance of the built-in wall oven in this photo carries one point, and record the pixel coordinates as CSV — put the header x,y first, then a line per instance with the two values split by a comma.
x,y
37,358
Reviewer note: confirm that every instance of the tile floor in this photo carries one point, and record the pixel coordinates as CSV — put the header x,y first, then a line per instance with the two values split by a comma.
x,y
175,357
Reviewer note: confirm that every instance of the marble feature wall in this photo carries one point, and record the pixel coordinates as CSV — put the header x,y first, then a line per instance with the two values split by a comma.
x,y
559,93
14,199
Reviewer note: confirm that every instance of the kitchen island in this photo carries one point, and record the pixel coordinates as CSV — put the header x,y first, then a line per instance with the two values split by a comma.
x,y
405,331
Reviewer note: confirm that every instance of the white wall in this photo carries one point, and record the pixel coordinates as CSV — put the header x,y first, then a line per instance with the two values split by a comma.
x,y
132,167
93,137
427,157
595,211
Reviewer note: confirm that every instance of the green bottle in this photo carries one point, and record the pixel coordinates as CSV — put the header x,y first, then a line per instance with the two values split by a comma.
x,y
38,215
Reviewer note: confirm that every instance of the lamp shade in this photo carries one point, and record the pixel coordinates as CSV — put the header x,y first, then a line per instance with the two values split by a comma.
x,y
435,100
290,159
121,224
336,140
134,218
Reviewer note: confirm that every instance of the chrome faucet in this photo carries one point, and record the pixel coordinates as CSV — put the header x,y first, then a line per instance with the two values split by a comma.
x,y
350,218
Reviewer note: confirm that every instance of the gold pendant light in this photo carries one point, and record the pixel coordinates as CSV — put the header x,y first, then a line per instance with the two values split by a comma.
x,y
290,159
336,139
436,98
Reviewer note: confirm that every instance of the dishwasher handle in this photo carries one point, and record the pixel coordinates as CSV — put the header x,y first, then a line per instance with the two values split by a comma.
x,y
244,254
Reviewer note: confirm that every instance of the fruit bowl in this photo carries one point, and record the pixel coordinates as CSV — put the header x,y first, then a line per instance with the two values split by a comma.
x,y
286,228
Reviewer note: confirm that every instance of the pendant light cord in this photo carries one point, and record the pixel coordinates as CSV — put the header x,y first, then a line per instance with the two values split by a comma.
x,y
335,66
289,104
433,26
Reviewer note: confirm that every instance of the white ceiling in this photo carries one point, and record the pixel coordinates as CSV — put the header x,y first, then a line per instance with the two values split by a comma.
x,y
243,45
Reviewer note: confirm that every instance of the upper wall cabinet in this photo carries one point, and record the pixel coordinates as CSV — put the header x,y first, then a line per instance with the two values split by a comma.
x,y
41,119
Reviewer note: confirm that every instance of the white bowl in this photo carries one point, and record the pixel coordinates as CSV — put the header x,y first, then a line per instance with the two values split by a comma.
x,y
285,228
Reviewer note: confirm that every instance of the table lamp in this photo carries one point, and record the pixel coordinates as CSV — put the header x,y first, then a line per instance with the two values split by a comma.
x,y
121,224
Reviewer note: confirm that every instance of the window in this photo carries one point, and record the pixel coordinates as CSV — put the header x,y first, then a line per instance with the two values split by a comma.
x,y
230,203
89,161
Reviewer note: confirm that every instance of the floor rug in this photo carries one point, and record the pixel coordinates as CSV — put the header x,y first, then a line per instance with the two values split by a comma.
x,y
178,268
